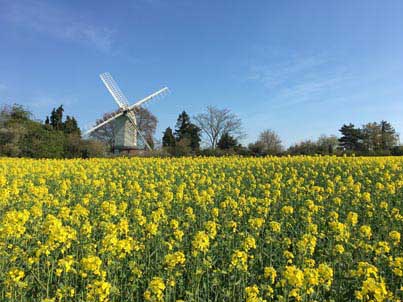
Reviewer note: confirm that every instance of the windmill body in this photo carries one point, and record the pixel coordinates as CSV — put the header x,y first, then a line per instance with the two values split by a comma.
x,y
124,133
125,128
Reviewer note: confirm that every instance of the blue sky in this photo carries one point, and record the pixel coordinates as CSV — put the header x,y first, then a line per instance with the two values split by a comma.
x,y
301,68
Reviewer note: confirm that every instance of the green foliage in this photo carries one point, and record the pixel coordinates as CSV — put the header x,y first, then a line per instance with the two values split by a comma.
x,y
227,142
168,139
70,126
307,147
186,132
352,138
21,136
371,139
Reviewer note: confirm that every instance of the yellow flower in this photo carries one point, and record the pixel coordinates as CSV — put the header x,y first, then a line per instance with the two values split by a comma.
x,y
252,294
67,264
394,237
339,249
382,248
372,290
352,218
98,291
397,266
293,276
177,258
239,260
289,256
325,274
92,264
211,228
155,291
249,243
311,277
275,226
13,224
270,273
15,275
288,210
307,244
365,231
201,242
256,223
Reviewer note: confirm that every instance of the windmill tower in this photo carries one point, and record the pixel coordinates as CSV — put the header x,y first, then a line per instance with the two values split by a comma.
x,y
125,128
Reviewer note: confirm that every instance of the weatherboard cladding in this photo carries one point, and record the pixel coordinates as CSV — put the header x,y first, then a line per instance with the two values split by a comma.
x,y
125,136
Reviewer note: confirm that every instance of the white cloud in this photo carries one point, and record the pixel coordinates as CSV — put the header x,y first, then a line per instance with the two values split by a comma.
x,y
61,24
277,74
47,103
301,80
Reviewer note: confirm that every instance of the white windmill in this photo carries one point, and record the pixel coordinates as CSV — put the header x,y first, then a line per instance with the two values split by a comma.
x,y
125,124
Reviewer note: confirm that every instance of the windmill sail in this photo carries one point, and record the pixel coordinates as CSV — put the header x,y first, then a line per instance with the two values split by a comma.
x,y
114,90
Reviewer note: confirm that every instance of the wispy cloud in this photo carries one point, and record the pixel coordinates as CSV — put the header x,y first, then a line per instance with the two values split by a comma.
x,y
47,102
61,24
300,80
3,87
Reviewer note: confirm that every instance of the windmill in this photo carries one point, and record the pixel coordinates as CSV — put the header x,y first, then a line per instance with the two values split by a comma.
x,y
125,124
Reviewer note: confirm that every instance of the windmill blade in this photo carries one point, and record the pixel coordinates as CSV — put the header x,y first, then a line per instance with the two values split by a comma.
x,y
104,123
132,120
160,93
114,90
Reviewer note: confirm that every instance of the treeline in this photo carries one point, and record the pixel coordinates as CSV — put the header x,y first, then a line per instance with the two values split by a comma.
x,y
220,131
214,132
57,137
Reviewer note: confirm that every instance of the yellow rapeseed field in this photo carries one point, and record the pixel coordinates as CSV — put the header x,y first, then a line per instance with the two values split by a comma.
x,y
201,229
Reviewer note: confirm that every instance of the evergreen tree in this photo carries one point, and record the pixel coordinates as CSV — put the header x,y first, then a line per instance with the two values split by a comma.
x,y
56,118
168,139
227,142
70,126
185,130
182,126
389,137
352,138
47,122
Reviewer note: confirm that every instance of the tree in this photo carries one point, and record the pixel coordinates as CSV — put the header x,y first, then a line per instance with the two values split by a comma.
x,y
256,148
185,130
168,139
215,122
327,144
146,123
106,133
13,127
40,142
227,142
389,137
17,112
70,126
306,147
352,138
270,141
372,136
56,118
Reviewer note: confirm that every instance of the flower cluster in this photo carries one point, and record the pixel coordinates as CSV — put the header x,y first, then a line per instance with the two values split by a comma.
x,y
201,229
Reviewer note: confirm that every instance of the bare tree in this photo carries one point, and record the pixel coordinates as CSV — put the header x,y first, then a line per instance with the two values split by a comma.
x,y
215,122
269,142
327,144
146,122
